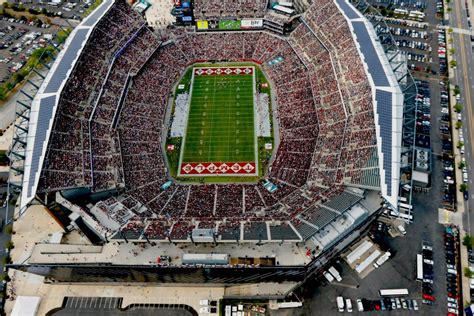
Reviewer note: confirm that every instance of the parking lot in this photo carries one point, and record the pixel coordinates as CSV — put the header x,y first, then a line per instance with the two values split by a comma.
x,y
17,43
399,272
25,28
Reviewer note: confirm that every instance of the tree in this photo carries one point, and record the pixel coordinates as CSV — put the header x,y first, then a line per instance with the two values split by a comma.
x,y
452,51
3,93
458,124
453,64
62,35
6,260
450,30
460,144
467,272
9,245
468,241
463,187
5,277
462,164
9,229
457,90
458,107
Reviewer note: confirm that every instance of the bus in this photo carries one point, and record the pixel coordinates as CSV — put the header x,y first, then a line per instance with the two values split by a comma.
x,y
416,15
419,267
393,292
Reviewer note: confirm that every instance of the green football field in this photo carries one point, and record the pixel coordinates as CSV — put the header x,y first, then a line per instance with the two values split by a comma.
x,y
220,125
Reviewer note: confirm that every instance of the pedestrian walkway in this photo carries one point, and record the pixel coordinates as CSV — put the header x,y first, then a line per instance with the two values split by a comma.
x,y
458,30
92,302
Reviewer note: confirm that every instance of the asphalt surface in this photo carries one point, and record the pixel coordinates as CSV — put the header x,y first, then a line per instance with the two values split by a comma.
x,y
398,272
10,33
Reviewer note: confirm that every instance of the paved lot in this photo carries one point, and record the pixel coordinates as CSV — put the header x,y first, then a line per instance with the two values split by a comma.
x,y
398,272
75,306
17,43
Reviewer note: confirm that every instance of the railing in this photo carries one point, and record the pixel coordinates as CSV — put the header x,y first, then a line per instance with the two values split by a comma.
x,y
24,102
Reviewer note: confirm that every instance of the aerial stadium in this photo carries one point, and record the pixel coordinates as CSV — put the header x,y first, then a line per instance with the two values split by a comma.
x,y
249,147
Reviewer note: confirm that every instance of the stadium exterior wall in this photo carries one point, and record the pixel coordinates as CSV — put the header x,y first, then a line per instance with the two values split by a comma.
x,y
389,188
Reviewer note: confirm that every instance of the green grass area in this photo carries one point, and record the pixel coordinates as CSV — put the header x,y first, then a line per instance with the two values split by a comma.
x,y
221,120
263,154
229,25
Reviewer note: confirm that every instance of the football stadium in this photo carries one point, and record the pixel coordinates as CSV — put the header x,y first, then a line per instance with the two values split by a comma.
x,y
247,147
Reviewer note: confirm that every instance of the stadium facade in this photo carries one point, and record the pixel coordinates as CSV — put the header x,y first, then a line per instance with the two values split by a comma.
x,y
97,133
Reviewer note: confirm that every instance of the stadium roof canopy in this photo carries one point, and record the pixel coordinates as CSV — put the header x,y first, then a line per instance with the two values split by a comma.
x,y
388,105
44,105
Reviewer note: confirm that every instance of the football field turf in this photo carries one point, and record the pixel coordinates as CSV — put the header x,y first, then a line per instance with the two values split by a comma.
x,y
220,127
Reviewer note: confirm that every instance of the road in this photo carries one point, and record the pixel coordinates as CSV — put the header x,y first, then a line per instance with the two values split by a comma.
x,y
463,77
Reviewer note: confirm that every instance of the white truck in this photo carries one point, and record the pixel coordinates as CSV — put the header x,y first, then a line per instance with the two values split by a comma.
x,y
340,303
335,273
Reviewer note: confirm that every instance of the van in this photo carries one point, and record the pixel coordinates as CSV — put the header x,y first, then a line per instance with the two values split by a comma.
x,y
402,229
452,271
340,303
348,305
360,307
328,276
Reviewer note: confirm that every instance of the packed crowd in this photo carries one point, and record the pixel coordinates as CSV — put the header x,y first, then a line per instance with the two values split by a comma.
x,y
324,112
204,9
83,151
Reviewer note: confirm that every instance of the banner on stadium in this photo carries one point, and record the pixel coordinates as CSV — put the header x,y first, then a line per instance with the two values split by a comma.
x,y
229,24
202,25
251,23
